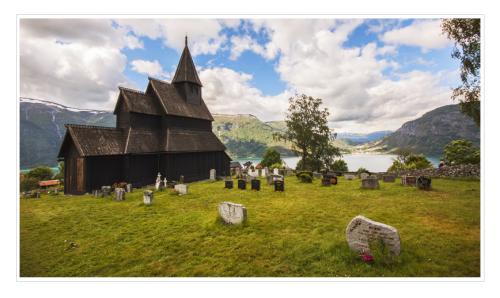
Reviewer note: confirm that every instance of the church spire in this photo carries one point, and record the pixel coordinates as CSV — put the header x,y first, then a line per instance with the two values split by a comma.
x,y
186,71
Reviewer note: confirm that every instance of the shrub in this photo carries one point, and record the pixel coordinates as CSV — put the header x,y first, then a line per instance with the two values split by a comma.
x,y
28,183
362,170
276,166
461,152
40,173
339,166
309,173
304,177
270,158
409,161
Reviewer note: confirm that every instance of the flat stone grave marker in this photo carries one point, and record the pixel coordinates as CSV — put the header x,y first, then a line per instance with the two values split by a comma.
x,y
232,213
129,187
409,180
148,197
255,184
119,194
181,189
228,184
212,174
370,183
279,185
242,184
389,178
424,183
97,193
361,231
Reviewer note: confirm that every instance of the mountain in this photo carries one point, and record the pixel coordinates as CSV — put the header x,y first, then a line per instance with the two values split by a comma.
x,y
42,129
359,138
430,133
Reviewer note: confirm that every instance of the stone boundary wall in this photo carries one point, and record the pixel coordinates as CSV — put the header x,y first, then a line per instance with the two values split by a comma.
x,y
473,171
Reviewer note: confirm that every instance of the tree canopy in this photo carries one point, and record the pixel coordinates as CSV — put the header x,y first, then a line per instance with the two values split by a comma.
x,y
461,152
466,33
270,157
406,160
308,132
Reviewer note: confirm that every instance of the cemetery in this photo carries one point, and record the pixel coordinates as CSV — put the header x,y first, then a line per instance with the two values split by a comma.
x,y
273,225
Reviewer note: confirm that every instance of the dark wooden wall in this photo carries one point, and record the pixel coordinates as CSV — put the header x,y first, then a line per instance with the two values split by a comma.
x,y
186,123
74,170
103,170
122,114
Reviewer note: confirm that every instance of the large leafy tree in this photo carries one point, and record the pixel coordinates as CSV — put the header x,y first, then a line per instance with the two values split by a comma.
x,y
466,33
271,157
461,152
308,132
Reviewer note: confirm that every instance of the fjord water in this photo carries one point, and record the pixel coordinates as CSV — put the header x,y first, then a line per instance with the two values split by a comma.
x,y
371,162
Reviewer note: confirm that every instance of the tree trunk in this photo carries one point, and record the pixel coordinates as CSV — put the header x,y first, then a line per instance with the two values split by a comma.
x,y
304,155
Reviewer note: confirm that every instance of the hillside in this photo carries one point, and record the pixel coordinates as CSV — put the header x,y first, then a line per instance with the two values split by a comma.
x,y
430,133
358,138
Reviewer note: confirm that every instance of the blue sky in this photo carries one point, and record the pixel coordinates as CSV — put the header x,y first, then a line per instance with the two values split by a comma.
x,y
371,73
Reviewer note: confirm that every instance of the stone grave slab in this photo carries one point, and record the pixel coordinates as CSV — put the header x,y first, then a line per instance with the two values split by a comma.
x,y
232,213
361,231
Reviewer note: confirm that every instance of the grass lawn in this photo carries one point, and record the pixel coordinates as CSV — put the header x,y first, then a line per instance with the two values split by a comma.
x,y
300,232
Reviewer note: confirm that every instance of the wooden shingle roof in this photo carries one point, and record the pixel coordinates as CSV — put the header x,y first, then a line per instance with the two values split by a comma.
x,y
96,140
139,102
186,71
181,140
175,105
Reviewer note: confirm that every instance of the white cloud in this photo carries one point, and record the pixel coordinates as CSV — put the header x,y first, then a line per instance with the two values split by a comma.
x,y
226,91
425,34
150,68
204,35
72,61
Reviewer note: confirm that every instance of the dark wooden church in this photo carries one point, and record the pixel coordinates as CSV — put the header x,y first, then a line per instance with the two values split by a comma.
x,y
167,129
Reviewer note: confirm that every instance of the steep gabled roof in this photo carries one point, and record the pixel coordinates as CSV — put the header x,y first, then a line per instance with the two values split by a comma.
x,y
143,141
95,140
139,102
175,105
186,71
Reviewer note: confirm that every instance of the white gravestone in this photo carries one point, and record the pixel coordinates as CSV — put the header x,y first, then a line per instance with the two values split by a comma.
x,y
232,213
129,187
276,171
165,182
181,188
361,231
158,181
148,197
120,194
349,177
212,174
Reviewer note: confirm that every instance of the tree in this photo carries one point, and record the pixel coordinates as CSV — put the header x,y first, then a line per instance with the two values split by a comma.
x,y
409,161
339,166
466,33
247,164
270,157
60,174
40,173
308,132
461,152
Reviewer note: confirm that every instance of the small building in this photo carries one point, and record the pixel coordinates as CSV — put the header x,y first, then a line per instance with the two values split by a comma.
x,y
49,183
235,165
166,129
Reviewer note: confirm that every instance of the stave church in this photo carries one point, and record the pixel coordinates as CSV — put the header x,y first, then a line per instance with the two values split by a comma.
x,y
166,129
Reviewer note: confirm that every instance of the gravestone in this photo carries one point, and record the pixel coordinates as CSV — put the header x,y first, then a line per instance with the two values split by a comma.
x,y
334,180
276,171
409,180
361,231
248,178
363,175
370,183
424,183
129,187
97,193
255,184
232,213
165,183
148,197
228,184
212,174
242,184
279,185
182,189
158,181
106,190
349,177
389,178
325,181
119,194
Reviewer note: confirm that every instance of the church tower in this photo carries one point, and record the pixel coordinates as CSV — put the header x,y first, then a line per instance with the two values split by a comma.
x,y
186,79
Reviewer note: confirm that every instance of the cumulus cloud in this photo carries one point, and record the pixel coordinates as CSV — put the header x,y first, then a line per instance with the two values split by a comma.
x,y
204,35
75,62
425,34
150,68
226,91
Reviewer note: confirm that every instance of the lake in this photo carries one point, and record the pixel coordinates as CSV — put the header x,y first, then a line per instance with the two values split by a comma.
x,y
371,162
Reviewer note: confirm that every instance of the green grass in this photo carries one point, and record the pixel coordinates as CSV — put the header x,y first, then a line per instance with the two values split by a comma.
x,y
300,232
